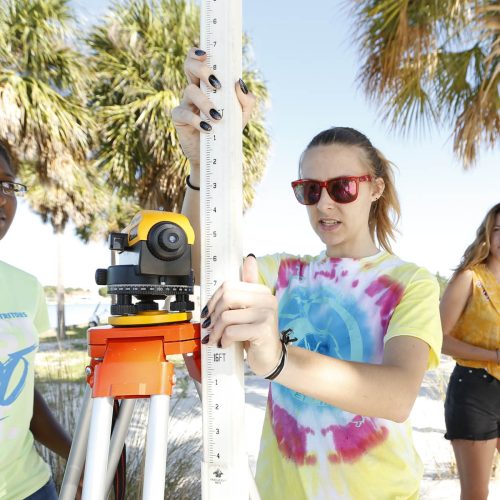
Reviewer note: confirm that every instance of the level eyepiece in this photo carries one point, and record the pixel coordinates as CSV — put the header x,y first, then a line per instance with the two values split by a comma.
x,y
167,241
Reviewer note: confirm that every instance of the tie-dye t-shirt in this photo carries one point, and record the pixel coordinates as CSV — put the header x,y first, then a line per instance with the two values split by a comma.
x,y
23,315
347,309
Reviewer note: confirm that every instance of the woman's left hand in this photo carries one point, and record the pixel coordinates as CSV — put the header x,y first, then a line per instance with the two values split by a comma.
x,y
246,312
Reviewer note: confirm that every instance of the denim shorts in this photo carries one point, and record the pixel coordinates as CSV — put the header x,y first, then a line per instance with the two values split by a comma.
x,y
46,492
472,405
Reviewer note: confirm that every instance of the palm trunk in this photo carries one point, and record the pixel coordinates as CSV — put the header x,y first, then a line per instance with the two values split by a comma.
x,y
61,323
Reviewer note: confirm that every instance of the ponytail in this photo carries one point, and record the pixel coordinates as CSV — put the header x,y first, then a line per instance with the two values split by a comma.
x,y
386,211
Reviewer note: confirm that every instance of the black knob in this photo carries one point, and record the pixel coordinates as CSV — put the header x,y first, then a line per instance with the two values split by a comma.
x,y
122,309
144,305
101,277
181,305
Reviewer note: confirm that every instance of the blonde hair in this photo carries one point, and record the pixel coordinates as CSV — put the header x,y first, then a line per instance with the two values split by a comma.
x,y
479,250
384,212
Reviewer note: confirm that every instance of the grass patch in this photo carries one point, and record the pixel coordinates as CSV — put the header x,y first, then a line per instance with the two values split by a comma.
x,y
74,332
60,365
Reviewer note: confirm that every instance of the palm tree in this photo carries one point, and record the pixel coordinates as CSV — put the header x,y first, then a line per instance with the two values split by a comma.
x,y
43,112
138,52
434,62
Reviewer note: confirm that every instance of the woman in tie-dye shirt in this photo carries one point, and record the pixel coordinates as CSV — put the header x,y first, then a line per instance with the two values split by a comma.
x,y
367,324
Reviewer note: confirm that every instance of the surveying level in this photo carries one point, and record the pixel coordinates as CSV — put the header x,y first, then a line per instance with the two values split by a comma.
x,y
129,357
155,262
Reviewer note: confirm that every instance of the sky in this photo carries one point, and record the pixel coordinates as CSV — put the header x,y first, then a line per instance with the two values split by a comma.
x,y
307,57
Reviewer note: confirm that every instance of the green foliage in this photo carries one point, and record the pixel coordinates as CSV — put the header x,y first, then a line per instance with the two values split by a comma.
x,y
43,111
42,81
434,63
138,53
443,283
93,131
51,291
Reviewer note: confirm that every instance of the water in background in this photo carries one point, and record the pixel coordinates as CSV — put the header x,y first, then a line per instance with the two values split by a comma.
x,y
80,314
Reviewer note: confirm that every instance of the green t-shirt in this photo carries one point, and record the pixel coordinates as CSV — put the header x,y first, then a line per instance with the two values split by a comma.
x,y
23,315
347,309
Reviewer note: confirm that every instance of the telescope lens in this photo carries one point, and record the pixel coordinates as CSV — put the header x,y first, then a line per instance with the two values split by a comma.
x,y
167,241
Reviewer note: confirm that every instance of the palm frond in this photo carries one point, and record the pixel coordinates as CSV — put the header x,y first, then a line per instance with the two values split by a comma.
x,y
435,63
43,112
138,54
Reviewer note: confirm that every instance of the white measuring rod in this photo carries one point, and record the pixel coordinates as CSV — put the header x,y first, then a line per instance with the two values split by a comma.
x,y
225,462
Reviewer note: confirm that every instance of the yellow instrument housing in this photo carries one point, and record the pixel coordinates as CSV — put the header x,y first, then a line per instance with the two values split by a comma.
x,y
144,220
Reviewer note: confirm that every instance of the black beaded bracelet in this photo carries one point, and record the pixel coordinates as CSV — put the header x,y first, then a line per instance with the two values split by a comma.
x,y
285,339
188,182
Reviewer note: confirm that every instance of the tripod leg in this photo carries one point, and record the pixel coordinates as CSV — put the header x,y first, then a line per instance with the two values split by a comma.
x,y
76,457
118,439
156,448
97,451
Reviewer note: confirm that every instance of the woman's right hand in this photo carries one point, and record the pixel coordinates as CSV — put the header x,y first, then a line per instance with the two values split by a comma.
x,y
186,116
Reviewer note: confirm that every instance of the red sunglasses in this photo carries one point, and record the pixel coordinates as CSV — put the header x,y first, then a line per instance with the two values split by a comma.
x,y
340,189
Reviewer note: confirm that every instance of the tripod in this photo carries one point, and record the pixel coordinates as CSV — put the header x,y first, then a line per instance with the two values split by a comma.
x,y
128,363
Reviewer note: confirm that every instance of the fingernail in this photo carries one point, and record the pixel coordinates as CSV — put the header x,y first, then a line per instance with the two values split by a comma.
x,y
199,52
214,82
204,312
205,339
243,86
219,344
251,255
206,323
215,114
206,126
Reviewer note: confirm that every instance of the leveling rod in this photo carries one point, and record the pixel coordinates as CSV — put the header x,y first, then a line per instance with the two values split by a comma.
x,y
225,463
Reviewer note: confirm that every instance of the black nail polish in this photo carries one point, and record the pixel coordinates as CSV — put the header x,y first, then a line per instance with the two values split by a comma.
x,y
251,255
243,86
214,82
206,126
205,339
215,114
206,323
199,52
204,312
219,344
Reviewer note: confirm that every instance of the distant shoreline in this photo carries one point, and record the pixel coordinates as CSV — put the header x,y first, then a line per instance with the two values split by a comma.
x,y
80,299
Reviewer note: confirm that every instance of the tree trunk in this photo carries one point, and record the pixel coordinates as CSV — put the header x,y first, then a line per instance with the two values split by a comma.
x,y
61,323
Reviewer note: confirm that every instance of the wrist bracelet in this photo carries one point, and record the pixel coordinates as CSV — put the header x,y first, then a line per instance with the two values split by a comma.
x,y
284,339
188,183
